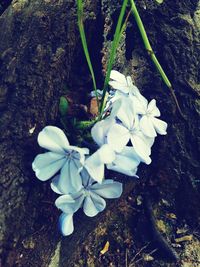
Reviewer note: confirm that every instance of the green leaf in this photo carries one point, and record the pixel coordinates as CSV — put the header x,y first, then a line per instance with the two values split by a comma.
x,y
63,106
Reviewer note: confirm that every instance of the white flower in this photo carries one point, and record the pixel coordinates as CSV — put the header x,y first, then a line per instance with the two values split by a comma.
x,y
62,157
95,164
90,197
125,89
149,124
122,83
128,130
100,129
125,162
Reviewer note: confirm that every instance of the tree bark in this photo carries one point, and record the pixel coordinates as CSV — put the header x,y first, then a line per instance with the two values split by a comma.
x,y
40,54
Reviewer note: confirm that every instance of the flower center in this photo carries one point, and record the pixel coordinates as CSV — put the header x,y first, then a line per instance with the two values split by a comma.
x,y
86,192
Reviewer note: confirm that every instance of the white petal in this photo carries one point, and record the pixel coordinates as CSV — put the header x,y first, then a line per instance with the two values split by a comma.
x,y
146,126
70,180
70,203
95,167
45,159
141,148
55,185
128,172
86,178
53,139
47,165
139,107
116,104
95,163
78,155
143,100
118,137
126,162
126,113
80,150
160,126
100,130
119,86
129,81
97,133
132,88
66,224
117,76
127,159
152,109
108,189
93,204
106,154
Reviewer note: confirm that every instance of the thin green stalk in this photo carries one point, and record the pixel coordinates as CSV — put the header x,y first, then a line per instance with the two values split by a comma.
x,y
85,46
114,46
152,54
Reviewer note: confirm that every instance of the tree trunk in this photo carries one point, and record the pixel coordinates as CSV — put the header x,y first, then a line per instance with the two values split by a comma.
x,y
40,55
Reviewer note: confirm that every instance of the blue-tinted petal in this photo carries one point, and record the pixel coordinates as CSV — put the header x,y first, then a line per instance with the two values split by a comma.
x,y
125,162
141,148
55,185
53,139
100,130
78,154
93,204
96,171
47,165
108,189
95,163
127,158
66,224
129,172
69,180
70,203
118,137
86,178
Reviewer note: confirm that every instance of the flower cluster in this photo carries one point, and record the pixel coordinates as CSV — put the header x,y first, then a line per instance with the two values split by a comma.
x,y
124,136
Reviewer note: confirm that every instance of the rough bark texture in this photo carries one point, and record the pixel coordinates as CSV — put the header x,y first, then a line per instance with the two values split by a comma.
x,y
39,48
40,54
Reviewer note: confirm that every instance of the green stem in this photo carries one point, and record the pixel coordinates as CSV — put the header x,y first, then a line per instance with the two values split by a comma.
x,y
85,47
114,46
152,54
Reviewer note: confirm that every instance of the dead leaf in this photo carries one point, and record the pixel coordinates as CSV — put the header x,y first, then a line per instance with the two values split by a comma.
x,y
93,106
171,216
106,248
184,238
